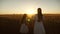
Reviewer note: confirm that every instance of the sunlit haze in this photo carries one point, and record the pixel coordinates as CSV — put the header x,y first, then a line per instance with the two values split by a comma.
x,y
29,6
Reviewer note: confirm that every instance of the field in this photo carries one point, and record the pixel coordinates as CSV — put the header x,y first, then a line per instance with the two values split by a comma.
x,y
9,24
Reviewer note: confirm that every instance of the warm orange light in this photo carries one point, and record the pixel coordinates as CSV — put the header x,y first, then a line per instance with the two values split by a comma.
x,y
30,12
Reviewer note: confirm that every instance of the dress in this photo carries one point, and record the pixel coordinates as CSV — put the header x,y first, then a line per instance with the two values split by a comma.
x,y
24,28
38,27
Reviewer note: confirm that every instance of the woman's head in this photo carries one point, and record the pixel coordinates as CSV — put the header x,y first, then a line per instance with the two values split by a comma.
x,y
39,10
39,14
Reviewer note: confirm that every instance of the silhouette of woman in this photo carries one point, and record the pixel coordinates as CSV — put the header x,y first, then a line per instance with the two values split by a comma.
x,y
39,15
38,25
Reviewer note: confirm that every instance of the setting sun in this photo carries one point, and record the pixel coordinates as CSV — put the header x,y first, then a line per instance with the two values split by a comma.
x,y
30,12
29,6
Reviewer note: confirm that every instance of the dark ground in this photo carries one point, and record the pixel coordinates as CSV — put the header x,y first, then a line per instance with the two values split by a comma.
x,y
9,24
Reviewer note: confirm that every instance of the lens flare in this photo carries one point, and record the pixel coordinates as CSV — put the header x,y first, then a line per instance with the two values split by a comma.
x,y
28,19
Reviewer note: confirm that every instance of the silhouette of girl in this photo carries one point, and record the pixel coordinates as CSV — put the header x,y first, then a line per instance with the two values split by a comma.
x,y
24,27
38,25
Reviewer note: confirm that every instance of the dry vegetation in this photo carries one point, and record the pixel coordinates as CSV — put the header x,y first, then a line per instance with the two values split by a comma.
x,y
52,23
9,23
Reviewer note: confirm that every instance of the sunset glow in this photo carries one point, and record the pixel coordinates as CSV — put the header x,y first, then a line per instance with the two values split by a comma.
x,y
31,12
29,6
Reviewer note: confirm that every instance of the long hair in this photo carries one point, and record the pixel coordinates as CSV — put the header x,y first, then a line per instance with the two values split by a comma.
x,y
39,14
24,18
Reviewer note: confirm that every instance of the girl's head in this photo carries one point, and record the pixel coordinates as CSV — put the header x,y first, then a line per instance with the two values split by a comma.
x,y
24,18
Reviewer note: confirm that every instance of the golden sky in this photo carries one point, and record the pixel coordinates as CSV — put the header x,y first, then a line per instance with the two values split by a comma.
x,y
29,6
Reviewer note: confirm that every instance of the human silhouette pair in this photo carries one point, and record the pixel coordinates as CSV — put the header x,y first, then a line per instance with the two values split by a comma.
x,y
38,25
